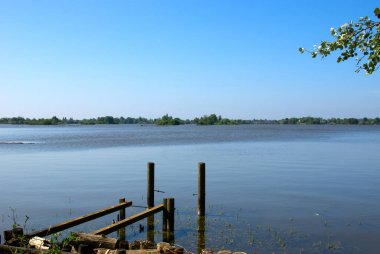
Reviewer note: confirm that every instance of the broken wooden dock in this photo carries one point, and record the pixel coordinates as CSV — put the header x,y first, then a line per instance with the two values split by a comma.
x,y
14,239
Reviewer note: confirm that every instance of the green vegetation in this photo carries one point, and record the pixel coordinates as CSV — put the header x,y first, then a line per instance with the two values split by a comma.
x,y
168,120
56,121
331,121
218,120
359,40
212,119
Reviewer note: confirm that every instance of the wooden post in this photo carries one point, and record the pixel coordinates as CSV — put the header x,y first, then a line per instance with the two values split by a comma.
x,y
122,217
170,217
165,215
165,221
201,188
150,194
150,201
168,220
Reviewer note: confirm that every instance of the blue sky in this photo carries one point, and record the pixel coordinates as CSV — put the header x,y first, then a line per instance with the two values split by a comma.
x,y
135,58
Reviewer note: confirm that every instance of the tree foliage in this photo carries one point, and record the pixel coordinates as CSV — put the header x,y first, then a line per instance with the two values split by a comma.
x,y
168,120
212,119
218,120
359,40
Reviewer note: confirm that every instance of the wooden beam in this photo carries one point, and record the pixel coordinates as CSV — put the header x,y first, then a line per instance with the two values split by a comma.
x,y
97,241
128,221
74,222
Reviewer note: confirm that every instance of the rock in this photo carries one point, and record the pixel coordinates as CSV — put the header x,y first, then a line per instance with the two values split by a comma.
x,y
162,245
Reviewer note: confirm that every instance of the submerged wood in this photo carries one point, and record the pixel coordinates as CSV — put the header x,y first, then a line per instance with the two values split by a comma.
x,y
74,222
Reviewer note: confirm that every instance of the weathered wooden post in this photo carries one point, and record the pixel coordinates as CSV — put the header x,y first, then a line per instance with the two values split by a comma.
x,y
165,215
170,219
150,201
150,194
165,220
201,188
201,205
122,217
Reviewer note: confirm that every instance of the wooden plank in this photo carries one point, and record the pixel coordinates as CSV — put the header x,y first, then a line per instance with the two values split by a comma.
x,y
97,241
128,221
74,222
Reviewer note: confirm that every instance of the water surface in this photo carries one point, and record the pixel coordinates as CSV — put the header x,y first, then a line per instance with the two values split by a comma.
x,y
288,189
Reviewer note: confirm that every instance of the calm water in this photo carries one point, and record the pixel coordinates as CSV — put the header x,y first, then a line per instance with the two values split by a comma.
x,y
287,189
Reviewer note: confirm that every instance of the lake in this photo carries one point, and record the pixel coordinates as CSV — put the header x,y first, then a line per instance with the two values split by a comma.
x,y
270,188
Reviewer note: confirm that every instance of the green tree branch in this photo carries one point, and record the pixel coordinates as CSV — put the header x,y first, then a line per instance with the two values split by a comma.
x,y
359,40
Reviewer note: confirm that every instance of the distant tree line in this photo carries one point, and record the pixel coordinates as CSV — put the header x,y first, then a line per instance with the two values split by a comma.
x,y
330,121
91,121
169,120
212,119
218,120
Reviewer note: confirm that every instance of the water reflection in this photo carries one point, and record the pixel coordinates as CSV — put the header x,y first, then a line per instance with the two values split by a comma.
x,y
150,228
201,233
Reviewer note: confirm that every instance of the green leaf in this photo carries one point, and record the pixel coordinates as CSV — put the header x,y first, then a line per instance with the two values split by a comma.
x,y
302,50
377,12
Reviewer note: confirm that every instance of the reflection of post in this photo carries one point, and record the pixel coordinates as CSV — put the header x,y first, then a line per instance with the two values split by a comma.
x,y
150,229
170,237
122,217
201,233
150,201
